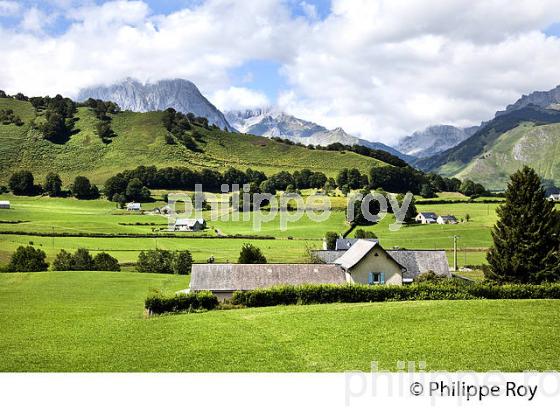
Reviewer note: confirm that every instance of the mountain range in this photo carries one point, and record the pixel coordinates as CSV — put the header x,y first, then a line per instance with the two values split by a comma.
x,y
270,122
525,132
179,94
433,140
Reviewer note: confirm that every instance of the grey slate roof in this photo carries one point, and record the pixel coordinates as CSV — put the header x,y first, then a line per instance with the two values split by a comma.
x,y
356,253
421,261
343,244
229,277
328,256
429,215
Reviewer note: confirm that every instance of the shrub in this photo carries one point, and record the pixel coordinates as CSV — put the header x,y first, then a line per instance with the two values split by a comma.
x,y
28,259
158,303
182,262
430,277
251,254
82,260
105,262
354,293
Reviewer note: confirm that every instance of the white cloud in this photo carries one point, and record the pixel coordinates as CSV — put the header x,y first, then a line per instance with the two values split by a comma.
x,y
239,98
380,69
9,8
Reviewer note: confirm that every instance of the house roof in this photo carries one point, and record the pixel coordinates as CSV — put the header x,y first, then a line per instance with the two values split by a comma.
x,y
448,217
421,261
188,222
343,244
357,252
230,277
428,215
326,256
5,202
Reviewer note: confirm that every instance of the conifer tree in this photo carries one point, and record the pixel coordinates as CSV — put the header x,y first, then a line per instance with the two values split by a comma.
x,y
527,234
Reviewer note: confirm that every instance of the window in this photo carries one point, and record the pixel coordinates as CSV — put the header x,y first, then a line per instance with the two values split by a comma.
x,y
376,278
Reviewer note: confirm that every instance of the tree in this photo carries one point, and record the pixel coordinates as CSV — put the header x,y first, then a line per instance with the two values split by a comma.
x,y
105,262
427,191
526,241
156,261
53,184
467,188
115,185
251,254
82,260
82,188
182,262
135,190
28,259
267,187
63,261
374,208
21,183
330,240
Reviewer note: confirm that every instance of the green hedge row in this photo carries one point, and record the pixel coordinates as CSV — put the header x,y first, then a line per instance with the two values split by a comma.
x,y
158,303
312,294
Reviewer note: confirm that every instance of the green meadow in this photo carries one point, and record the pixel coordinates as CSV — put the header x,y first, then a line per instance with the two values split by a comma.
x,y
94,321
60,216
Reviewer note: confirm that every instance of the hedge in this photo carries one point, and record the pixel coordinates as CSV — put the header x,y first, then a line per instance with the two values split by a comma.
x,y
158,303
313,294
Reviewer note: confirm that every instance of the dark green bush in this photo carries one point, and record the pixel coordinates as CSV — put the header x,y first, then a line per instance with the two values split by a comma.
x,y
311,294
28,259
158,303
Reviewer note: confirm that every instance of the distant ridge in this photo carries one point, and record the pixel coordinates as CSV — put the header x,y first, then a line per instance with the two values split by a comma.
x,y
271,122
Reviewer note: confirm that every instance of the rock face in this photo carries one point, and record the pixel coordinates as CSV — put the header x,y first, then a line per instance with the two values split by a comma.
x,y
434,139
270,122
179,94
543,99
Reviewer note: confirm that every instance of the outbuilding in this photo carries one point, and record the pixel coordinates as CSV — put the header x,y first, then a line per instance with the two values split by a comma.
x,y
4,204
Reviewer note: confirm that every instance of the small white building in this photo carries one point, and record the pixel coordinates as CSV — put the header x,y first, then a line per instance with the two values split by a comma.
x,y
426,218
554,198
133,206
4,204
446,219
189,225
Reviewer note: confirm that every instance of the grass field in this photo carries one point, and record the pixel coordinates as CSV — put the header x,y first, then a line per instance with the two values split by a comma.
x,y
68,215
141,141
93,321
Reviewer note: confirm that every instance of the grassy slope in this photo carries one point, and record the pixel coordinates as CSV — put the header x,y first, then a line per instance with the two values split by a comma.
x,y
140,141
93,321
537,146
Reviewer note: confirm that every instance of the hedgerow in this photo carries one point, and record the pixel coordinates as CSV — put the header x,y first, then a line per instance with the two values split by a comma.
x,y
316,294
158,303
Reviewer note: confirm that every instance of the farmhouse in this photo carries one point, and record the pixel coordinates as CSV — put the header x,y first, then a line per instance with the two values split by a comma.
x,y
366,262
224,279
4,204
446,219
133,206
426,218
554,197
189,225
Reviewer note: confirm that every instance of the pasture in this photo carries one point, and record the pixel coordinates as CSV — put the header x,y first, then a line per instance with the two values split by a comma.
x,y
93,321
59,216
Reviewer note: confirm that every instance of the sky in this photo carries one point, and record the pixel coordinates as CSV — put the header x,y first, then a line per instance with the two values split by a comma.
x,y
380,69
